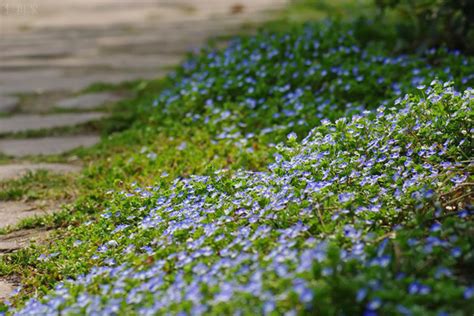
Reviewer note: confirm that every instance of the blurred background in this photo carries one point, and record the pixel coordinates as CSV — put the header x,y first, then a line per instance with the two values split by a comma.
x,y
55,45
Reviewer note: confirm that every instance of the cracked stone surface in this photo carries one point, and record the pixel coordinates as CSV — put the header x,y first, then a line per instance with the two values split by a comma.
x,y
12,212
6,288
27,122
45,145
14,171
87,101
21,239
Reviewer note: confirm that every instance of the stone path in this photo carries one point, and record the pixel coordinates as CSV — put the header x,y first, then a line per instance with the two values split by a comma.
x,y
6,288
16,170
8,104
29,122
45,145
87,101
20,239
52,49
52,46
12,212
68,45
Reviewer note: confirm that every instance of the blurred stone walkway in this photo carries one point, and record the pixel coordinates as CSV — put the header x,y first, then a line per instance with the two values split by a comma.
x,y
50,49
67,45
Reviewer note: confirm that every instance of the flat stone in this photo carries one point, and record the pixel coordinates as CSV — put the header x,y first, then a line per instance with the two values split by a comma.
x,y
14,171
30,81
13,212
66,46
8,104
27,122
45,145
21,239
142,59
87,101
6,289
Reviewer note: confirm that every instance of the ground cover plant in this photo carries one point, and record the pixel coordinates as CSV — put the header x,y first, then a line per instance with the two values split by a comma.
x,y
432,22
356,217
275,83
348,220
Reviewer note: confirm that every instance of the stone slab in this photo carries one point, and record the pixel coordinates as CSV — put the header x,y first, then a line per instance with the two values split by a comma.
x,y
56,14
140,58
12,242
29,81
87,101
21,239
8,104
28,122
6,288
14,171
45,145
12,212
68,46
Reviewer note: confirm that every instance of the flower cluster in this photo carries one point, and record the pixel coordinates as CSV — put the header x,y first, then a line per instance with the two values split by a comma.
x,y
357,217
273,84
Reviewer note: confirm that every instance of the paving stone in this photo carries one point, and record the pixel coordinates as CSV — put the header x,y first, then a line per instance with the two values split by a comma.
x,y
69,46
45,145
53,14
8,104
43,50
12,212
143,59
14,171
21,239
34,80
27,122
87,101
12,242
6,288
26,81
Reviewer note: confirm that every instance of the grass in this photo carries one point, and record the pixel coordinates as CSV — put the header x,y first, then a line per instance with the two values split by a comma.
x,y
310,10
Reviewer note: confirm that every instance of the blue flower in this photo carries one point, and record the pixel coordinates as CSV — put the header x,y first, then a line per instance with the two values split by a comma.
x,y
469,292
374,304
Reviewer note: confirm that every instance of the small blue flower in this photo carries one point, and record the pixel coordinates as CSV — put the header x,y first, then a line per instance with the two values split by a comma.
x,y
292,136
435,227
463,214
469,292
456,252
361,294
374,304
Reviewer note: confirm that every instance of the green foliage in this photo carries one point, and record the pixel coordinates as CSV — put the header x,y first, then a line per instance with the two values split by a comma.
x,y
273,83
187,211
358,217
429,23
